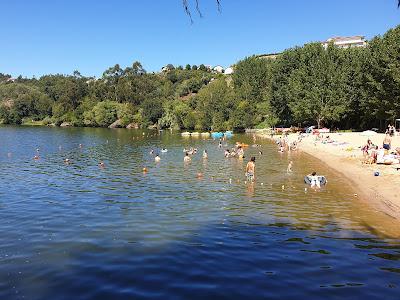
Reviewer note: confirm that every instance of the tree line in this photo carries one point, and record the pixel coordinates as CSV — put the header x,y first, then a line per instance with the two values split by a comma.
x,y
354,88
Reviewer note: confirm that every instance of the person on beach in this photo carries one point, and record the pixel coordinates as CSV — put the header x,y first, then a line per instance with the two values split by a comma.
x,y
390,130
315,183
250,169
289,167
157,158
187,158
367,147
387,142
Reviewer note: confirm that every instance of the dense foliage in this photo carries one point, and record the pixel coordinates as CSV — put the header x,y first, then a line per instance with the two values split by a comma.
x,y
309,85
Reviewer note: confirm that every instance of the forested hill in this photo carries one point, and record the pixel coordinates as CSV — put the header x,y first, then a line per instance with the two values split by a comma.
x,y
348,88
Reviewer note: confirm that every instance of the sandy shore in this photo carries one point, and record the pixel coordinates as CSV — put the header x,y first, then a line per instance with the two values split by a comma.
x,y
345,156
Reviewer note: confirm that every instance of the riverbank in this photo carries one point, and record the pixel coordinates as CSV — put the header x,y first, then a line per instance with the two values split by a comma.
x,y
345,156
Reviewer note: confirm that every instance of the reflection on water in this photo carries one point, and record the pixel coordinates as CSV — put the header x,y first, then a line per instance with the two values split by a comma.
x,y
75,229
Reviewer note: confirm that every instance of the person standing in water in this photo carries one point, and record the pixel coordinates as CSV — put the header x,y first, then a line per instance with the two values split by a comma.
x,y
250,169
289,167
157,158
205,154
187,158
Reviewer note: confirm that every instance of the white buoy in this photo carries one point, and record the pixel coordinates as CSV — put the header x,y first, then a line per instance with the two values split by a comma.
x,y
283,187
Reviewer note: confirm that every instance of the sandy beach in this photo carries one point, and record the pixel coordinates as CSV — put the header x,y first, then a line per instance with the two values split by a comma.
x,y
344,155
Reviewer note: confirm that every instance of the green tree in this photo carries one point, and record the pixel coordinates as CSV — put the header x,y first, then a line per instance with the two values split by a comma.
x,y
316,87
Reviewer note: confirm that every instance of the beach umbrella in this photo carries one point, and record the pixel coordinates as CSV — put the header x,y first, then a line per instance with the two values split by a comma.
x,y
368,133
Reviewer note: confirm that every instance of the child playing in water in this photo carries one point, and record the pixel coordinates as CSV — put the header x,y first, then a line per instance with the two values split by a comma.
x,y
250,169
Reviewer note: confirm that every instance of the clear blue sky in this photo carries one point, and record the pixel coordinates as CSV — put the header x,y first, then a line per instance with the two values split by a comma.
x,y
59,36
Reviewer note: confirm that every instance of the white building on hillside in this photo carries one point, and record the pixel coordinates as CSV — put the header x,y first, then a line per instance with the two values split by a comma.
x,y
228,71
346,42
218,69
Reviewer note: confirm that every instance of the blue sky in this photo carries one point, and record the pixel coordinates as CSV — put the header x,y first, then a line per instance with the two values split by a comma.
x,y
60,36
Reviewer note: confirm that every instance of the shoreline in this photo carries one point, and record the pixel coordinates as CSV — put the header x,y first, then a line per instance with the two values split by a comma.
x,y
381,192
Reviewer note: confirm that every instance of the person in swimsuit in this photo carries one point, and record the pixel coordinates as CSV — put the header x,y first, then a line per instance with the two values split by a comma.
x,y
387,142
187,158
250,169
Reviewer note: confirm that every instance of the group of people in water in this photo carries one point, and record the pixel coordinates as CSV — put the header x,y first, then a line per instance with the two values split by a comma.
x,y
235,152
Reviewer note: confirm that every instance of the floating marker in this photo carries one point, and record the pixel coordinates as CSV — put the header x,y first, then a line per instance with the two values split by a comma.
x,y
283,187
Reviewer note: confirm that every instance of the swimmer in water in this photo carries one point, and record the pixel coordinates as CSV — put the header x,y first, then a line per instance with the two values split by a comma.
x,y
157,158
315,183
220,144
250,169
187,158
205,154
289,167
67,161
36,157
260,153
151,151
227,153
102,165
80,146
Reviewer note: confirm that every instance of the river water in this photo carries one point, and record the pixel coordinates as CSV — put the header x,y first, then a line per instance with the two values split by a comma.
x,y
77,231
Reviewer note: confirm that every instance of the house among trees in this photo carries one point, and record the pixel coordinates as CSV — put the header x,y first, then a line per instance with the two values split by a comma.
x,y
346,42
167,68
218,69
228,71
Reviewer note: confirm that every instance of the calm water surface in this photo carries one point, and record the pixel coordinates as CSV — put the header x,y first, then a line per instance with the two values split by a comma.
x,y
80,232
